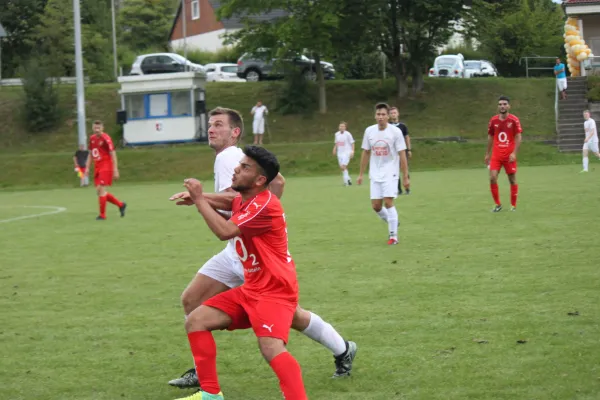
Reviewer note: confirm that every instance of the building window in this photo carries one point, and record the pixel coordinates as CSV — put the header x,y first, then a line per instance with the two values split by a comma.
x,y
181,104
158,105
135,106
195,9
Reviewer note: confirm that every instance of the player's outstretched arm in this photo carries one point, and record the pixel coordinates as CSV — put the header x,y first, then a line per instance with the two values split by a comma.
x,y
222,229
276,186
218,201
364,159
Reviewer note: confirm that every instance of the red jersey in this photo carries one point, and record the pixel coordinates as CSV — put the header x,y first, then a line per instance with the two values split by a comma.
x,y
504,133
101,146
269,271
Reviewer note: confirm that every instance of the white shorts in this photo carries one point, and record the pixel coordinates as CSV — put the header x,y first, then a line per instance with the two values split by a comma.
x,y
380,190
561,83
224,267
343,159
258,126
591,146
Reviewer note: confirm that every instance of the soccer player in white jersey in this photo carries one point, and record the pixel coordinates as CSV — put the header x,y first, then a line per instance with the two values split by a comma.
x,y
384,149
591,139
344,149
258,124
224,270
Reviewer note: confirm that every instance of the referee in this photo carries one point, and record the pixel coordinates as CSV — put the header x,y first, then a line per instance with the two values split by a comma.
x,y
394,121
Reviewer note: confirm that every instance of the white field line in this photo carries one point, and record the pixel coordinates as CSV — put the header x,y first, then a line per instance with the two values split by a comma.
x,y
54,210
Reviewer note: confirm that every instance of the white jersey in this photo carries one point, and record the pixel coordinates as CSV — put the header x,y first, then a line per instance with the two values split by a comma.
x,y
259,112
225,162
384,146
590,126
343,143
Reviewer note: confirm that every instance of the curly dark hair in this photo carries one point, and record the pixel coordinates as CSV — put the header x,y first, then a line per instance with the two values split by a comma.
x,y
265,159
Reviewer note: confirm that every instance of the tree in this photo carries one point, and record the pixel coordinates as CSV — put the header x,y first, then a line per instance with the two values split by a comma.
x,y
517,28
19,18
410,31
145,23
306,26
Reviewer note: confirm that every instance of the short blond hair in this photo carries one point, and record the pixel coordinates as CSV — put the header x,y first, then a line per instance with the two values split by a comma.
x,y
234,116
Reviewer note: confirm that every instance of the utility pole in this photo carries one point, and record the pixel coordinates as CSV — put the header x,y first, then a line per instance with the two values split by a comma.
x,y
81,123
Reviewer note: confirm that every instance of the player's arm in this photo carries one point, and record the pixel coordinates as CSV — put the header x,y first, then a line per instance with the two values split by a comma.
x,y
589,134
221,201
518,138
490,143
276,186
75,162
364,160
408,146
88,162
403,165
334,149
113,156
223,229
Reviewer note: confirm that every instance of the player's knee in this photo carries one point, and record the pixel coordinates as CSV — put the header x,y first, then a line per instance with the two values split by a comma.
x,y
197,320
270,347
301,319
189,302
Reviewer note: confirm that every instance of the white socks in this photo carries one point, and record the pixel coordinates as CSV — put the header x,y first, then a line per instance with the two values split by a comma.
x,y
383,214
586,163
322,332
346,176
392,221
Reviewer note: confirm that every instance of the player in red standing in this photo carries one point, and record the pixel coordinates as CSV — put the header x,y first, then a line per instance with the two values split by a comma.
x,y
504,136
106,168
268,298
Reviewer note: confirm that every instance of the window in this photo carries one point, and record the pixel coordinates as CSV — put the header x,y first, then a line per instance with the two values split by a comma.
x,y
135,106
181,104
232,68
195,9
158,105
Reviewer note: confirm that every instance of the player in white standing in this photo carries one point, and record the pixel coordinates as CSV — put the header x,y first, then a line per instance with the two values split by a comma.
x,y
224,270
344,149
591,139
258,124
385,150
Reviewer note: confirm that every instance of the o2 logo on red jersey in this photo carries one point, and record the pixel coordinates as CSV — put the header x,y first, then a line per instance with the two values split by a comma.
x,y
242,252
95,153
502,137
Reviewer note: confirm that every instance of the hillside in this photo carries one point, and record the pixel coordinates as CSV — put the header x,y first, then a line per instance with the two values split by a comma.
x,y
446,108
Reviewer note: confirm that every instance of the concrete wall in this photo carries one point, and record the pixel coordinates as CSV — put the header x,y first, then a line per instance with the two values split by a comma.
x,y
591,32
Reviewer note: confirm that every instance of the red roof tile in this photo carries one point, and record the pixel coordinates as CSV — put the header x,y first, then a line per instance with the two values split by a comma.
x,y
582,1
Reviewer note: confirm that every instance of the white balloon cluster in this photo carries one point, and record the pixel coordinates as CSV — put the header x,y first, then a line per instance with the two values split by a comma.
x,y
575,46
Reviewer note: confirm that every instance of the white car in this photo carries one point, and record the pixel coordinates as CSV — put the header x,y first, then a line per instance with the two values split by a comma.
x,y
479,68
448,66
222,72
162,63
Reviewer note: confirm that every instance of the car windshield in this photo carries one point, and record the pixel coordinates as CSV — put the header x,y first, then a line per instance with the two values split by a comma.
x,y
473,64
229,68
178,58
445,61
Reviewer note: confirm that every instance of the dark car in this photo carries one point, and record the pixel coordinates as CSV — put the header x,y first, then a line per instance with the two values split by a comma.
x,y
162,63
260,66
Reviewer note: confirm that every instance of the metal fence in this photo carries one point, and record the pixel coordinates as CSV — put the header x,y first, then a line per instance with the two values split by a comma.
x,y
531,64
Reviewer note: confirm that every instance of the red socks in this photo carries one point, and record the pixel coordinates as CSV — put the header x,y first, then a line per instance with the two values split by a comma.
x,y
514,191
204,351
102,201
289,373
495,194
112,199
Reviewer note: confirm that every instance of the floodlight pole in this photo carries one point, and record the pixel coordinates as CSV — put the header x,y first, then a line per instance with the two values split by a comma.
x,y
114,39
81,125
184,26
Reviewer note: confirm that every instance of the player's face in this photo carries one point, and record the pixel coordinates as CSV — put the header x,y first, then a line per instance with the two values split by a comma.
x,y
503,106
382,116
394,115
557,61
97,128
342,127
220,133
586,115
247,176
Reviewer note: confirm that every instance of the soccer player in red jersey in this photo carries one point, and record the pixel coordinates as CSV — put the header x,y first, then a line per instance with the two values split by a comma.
x,y
106,168
267,300
504,136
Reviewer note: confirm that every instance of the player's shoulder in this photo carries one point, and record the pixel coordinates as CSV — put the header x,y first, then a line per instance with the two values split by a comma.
x,y
495,118
371,129
105,136
513,117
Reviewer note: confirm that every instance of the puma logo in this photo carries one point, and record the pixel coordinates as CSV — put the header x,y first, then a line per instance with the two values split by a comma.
x,y
269,328
256,205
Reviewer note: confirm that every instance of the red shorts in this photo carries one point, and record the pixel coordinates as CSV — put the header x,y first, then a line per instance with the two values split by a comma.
x,y
496,164
266,318
103,178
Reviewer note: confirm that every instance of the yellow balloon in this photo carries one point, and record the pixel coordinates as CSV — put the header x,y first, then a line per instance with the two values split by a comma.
x,y
572,33
588,51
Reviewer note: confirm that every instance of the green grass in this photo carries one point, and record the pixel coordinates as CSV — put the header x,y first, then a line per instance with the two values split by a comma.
x,y
446,108
307,159
90,310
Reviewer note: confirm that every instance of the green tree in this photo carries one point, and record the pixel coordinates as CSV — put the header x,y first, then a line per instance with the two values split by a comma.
x,y
517,28
53,38
19,18
41,110
145,23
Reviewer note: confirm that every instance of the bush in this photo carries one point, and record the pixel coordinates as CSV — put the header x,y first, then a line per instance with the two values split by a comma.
x,y
41,109
593,88
297,95
223,55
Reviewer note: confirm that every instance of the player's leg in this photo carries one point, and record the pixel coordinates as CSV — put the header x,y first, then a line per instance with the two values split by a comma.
x,y
216,276
220,312
101,192
271,323
585,159
260,139
594,149
388,202
377,200
495,166
511,172
324,333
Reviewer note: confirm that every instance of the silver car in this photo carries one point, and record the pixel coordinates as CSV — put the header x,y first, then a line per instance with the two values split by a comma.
x,y
162,63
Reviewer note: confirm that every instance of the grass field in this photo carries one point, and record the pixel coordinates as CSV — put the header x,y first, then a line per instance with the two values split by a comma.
x,y
90,310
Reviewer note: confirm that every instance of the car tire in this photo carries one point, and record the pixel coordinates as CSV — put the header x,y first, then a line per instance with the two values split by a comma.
x,y
252,75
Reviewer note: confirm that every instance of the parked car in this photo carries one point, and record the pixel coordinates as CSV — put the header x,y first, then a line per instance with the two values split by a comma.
x,y
260,66
222,72
479,68
161,63
448,66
